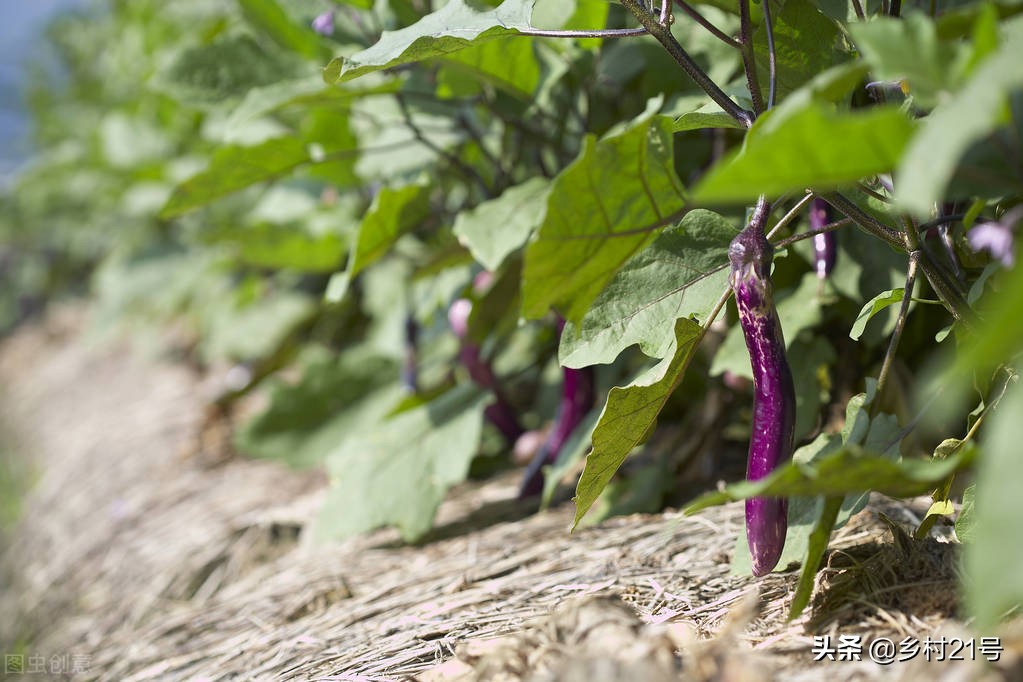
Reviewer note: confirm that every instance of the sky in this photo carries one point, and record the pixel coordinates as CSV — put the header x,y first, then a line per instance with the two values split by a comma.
x,y
21,25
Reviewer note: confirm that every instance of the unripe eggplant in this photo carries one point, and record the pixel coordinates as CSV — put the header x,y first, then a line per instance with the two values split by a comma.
x,y
825,244
774,398
499,413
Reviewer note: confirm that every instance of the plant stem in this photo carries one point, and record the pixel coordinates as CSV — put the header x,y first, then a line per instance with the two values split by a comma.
x,y
772,60
749,60
830,227
662,32
900,324
858,8
865,220
695,15
602,33
793,212
947,290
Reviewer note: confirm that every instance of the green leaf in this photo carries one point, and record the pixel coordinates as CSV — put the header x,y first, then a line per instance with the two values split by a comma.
x,y
393,213
817,545
398,475
268,16
873,307
602,209
206,74
334,399
806,43
708,116
945,136
681,274
236,167
994,583
629,414
497,227
811,145
269,245
455,26
507,64
849,470
250,332
967,519
301,92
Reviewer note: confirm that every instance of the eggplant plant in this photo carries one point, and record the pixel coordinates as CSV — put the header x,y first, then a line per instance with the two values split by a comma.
x,y
327,181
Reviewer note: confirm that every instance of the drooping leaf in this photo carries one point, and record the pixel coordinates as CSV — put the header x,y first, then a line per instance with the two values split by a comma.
x,y
967,519
607,205
629,414
817,545
497,227
849,470
681,274
873,307
811,145
455,26
393,213
397,475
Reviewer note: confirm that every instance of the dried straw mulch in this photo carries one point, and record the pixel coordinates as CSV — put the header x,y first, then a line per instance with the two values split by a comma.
x,y
151,561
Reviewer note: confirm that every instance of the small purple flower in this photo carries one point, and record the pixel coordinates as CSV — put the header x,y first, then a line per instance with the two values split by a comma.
x,y
996,237
324,24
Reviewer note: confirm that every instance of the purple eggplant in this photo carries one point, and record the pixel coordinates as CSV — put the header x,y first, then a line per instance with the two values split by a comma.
x,y
577,398
500,412
774,398
825,244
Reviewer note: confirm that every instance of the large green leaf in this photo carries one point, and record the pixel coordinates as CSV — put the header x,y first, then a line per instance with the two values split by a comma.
x,y
629,415
399,473
811,145
979,108
994,583
606,206
681,274
393,213
236,167
334,399
455,26
806,43
268,16
497,227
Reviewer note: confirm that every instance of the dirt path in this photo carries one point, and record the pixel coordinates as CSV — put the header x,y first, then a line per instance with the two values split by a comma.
x,y
143,559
